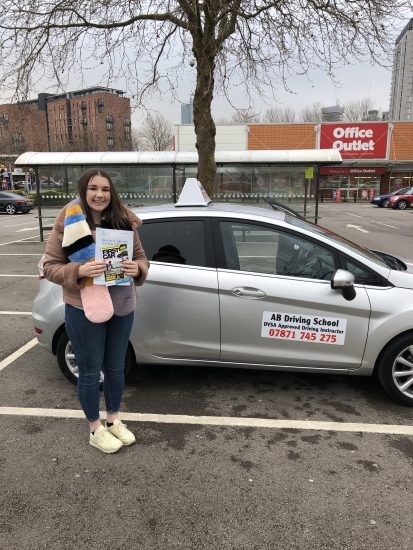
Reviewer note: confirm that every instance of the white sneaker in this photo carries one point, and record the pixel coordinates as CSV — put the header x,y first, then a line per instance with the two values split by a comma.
x,y
105,441
120,431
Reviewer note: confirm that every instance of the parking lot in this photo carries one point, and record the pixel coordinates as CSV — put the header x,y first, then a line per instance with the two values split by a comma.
x,y
226,459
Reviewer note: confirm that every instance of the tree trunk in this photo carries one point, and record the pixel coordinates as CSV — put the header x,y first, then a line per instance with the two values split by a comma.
x,y
204,124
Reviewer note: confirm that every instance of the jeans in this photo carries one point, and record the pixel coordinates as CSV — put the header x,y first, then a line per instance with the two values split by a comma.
x,y
99,346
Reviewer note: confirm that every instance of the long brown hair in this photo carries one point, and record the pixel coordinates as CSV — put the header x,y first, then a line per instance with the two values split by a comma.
x,y
115,214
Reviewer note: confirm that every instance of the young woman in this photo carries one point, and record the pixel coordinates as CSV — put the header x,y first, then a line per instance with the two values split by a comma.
x,y
98,318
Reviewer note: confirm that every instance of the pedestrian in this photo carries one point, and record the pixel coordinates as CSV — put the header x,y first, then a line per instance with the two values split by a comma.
x,y
98,318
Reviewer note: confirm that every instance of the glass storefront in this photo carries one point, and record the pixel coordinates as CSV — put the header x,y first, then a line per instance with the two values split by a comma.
x,y
398,180
360,187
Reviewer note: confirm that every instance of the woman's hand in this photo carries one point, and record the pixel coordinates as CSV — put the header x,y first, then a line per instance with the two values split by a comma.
x,y
130,268
92,269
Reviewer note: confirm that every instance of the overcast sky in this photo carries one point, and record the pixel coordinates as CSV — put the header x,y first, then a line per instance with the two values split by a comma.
x,y
357,81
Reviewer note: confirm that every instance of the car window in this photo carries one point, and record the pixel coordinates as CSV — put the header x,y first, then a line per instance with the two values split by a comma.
x,y
362,275
259,249
336,239
178,242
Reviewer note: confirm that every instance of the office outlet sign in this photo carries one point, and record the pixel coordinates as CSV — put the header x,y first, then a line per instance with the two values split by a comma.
x,y
356,140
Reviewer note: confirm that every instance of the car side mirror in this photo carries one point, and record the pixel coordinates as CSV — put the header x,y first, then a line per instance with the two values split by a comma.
x,y
344,280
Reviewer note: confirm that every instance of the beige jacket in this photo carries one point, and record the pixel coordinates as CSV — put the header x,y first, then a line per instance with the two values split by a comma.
x,y
58,269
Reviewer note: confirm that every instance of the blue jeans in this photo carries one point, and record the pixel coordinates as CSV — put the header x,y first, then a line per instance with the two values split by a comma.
x,y
99,346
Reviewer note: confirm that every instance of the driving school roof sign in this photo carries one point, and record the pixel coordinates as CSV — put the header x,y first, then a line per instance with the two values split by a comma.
x,y
356,140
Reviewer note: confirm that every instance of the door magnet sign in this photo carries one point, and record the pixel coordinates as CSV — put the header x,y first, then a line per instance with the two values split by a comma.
x,y
303,328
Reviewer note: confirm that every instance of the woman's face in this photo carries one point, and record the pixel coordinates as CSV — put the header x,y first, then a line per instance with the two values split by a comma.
x,y
98,194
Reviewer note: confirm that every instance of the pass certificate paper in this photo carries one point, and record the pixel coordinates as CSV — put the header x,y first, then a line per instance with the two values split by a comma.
x,y
113,246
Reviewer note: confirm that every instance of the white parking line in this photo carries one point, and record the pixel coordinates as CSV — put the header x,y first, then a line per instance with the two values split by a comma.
x,y
17,354
27,229
19,276
386,224
15,312
18,224
221,421
26,239
355,215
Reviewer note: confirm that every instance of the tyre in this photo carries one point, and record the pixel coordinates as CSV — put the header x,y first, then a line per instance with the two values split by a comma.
x,y
11,209
67,362
402,205
395,369
385,203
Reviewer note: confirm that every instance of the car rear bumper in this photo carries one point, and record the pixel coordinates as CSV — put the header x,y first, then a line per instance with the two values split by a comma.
x,y
47,317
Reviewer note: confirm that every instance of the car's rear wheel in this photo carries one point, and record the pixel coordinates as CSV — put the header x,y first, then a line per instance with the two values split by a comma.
x,y
67,362
385,203
402,205
11,209
395,369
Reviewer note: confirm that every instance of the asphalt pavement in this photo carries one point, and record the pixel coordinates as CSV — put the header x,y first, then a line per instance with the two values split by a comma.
x,y
215,465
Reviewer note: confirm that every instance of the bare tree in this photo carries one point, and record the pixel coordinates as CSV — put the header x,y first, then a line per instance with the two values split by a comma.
x,y
154,134
311,113
280,115
358,110
257,45
245,115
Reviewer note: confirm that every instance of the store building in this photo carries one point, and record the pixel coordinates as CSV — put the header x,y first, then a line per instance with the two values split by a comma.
x,y
377,156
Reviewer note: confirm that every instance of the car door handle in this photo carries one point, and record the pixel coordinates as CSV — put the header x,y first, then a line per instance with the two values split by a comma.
x,y
248,292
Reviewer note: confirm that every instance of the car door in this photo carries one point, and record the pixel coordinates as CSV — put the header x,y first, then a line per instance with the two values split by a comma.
x,y
177,314
277,305
2,202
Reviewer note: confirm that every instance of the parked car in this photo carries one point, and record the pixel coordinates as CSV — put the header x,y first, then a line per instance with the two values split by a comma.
x,y
402,201
238,286
12,203
383,200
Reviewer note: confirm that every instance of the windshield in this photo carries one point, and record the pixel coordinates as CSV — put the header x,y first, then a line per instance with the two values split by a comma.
x,y
365,252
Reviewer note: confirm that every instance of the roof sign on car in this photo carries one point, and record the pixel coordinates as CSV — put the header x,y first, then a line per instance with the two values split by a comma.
x,y
193,194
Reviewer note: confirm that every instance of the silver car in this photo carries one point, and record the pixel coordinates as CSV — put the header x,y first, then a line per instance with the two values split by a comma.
x,y
258,288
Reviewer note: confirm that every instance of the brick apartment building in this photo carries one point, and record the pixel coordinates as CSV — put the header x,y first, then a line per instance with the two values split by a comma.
x,y
94,119
22,128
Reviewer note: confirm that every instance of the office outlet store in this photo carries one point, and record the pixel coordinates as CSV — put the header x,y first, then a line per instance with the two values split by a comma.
x,y
363,183
351,183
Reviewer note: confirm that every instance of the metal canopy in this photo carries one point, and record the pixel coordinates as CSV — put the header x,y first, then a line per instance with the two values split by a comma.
x,y
301,156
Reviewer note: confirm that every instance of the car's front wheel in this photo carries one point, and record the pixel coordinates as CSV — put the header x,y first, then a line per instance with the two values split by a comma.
x,y
385,203
402,205
11,209
395,369
67,361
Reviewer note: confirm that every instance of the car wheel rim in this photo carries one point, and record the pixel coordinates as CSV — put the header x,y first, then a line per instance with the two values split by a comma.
x,y
402,205
10,209
402,372
71,362
385,204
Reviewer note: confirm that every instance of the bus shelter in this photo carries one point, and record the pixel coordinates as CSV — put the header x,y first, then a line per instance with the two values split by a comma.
x,y
146,178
